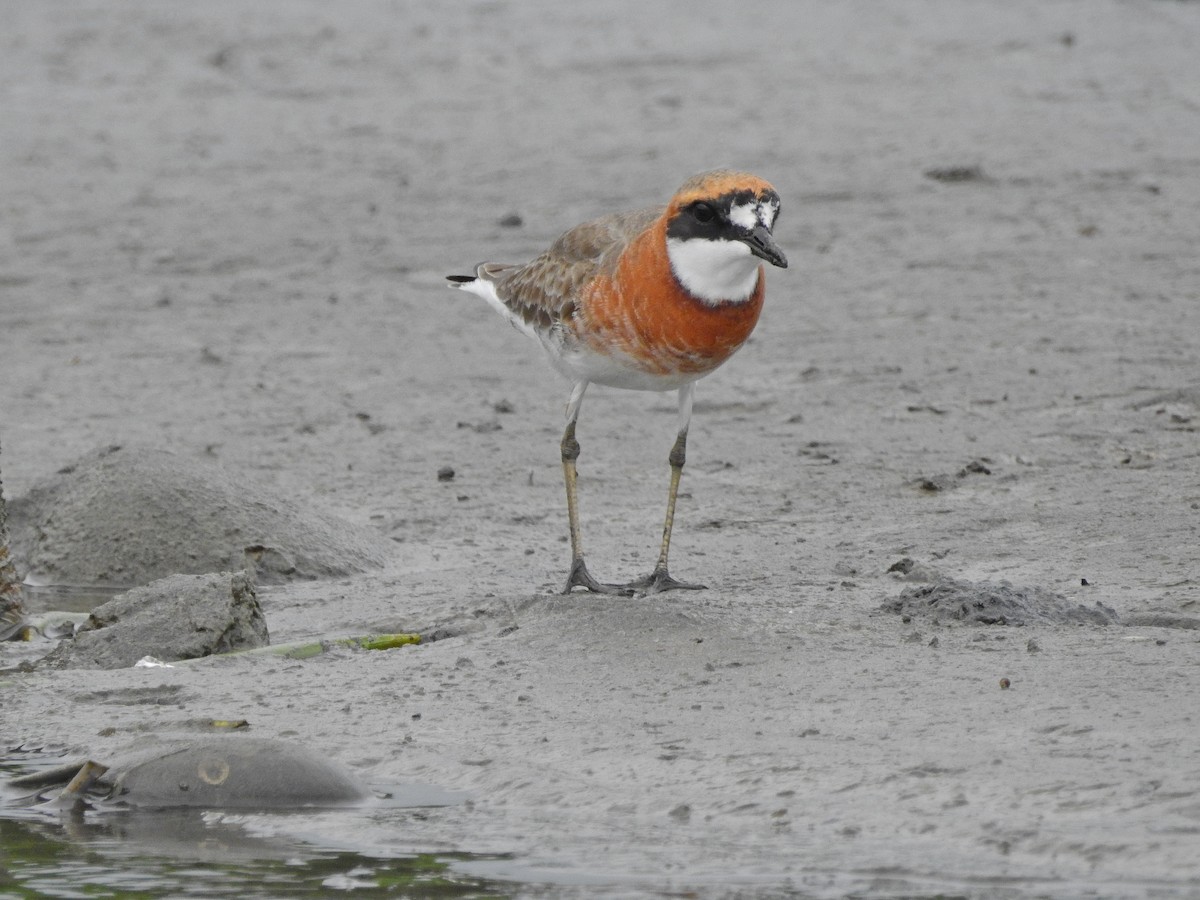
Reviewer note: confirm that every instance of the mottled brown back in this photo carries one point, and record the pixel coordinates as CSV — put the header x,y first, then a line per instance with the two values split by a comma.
x,y
543,292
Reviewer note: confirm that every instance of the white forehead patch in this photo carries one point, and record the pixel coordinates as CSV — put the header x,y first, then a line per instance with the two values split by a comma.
x,y
749,216
767,213
744,215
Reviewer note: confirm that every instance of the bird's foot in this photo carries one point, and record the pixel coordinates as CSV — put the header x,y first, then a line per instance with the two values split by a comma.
x,y
581,577
661,580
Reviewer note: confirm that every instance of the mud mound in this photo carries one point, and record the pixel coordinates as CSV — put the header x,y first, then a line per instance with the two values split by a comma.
x,y
180,617
995,603
130,515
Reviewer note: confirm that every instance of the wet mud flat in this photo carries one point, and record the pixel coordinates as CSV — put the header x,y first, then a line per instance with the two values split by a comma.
x,y
969,413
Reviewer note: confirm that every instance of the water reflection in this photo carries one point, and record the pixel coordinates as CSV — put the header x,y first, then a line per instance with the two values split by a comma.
x,y
188,854
102,849
40,598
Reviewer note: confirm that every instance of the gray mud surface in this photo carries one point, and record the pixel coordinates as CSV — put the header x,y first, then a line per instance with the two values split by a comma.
x,y
124,516
223,233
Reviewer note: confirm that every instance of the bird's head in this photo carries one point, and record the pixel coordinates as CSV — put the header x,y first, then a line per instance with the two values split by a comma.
x,y
719,225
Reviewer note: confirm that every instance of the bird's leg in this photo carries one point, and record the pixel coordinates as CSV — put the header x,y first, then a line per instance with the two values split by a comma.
x,y
660,579
579,575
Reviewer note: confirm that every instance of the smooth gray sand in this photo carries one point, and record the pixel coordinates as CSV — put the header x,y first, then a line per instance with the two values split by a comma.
x,y
224,232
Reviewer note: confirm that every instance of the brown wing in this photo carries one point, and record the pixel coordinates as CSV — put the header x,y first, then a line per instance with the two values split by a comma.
x,y
543,291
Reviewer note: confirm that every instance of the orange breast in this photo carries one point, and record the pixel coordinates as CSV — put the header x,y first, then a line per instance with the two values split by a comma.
x,y
643,311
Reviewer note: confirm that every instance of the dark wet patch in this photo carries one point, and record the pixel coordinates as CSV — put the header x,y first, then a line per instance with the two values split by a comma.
x,y
157,695
955,174
1184,396
948,601
1163,620
933,484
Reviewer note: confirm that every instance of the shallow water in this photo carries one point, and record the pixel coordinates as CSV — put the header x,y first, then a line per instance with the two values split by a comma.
x,y
186,854
105,850
67,598
46,857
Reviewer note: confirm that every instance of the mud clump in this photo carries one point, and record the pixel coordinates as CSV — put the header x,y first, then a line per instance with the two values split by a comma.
x,y
180,617
949,601
129,515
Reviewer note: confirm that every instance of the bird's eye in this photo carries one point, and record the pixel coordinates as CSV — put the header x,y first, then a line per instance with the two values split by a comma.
x,y
703,212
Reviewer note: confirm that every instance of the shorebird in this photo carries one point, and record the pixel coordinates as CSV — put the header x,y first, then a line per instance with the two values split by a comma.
x,y
648,300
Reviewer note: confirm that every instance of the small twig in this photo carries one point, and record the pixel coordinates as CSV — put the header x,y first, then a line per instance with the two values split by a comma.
x,y
298,650
84,779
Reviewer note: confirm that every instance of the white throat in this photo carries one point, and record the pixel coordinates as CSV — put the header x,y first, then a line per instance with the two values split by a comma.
x,y
714,271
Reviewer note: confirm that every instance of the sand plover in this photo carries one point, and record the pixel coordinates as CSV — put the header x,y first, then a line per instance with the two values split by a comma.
x,y
648,300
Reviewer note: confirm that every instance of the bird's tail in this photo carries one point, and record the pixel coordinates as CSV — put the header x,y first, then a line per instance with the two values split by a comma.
x,y
487,273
